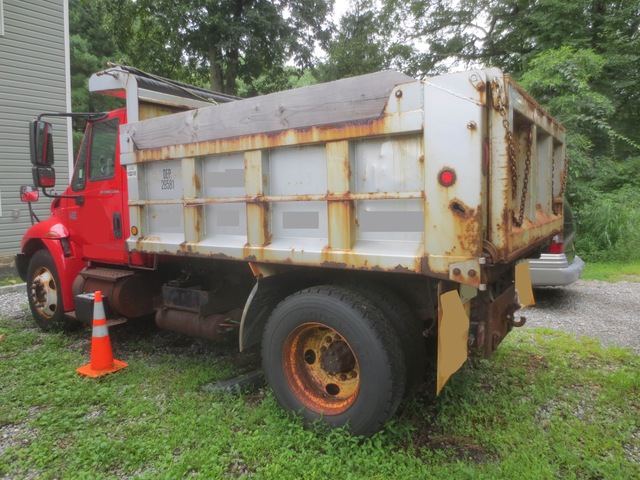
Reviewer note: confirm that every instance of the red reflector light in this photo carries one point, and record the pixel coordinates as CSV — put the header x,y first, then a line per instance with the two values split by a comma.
x,y
556,247
447,177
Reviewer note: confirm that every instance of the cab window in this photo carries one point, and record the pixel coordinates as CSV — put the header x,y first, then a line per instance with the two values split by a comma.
x,y
80,173
99,139
104,137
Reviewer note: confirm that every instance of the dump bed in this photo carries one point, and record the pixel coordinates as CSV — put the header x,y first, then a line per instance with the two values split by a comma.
x,y
378,172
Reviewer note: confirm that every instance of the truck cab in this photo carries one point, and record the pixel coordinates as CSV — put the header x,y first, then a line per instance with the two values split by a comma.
x,y
89,220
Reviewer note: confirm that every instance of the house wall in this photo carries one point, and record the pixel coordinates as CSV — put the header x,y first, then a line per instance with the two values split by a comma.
x,y
34,78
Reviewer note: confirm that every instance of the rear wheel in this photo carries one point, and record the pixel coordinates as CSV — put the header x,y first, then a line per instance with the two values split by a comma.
x,y
407,327
44,290
329,353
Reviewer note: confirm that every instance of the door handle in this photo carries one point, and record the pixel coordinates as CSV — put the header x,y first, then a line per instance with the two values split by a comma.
x,y
117,225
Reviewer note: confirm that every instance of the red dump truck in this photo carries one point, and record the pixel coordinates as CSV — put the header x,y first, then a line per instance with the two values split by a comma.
x,y
353,229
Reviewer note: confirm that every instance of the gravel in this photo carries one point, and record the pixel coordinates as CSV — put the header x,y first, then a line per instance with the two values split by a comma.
x,y
609,312
13,304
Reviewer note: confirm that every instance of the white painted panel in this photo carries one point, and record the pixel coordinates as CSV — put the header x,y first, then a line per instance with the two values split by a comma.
x,y
226,219
389,165
164,180
390,220
298,170
223,176
299,220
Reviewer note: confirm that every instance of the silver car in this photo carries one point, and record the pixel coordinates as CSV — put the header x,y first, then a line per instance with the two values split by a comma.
x,y
558,265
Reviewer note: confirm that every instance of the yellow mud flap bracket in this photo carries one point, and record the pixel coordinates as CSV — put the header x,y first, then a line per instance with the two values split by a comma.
x,y
524,291
453,333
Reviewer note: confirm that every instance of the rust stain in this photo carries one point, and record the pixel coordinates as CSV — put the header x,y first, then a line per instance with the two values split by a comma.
x,y
315,134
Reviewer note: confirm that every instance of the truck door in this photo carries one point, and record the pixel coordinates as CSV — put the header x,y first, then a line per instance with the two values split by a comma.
x,y
100,224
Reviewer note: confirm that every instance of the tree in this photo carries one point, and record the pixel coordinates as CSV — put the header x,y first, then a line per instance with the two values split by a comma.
x,y
220,40
91,47
604,186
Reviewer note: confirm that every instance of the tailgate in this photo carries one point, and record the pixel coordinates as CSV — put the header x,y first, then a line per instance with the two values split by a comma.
x,y
527,170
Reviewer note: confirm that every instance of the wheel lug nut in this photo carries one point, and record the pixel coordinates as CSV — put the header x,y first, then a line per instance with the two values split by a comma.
x,y
343,377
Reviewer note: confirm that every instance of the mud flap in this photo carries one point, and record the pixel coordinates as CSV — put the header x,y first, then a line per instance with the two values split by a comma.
x,y
524,290
453,333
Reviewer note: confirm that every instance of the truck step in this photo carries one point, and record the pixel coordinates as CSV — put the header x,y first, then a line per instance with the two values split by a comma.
x,y
103,273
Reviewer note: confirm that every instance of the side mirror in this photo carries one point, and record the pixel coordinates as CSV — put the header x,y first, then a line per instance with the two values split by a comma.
x,y
29,194
44,177
41,143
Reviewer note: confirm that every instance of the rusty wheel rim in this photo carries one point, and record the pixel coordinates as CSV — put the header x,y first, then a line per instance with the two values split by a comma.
x,y
44,292
321,369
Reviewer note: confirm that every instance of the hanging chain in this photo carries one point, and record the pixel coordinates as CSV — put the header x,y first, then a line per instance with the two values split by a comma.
x,y
563,183
499,105
565,176
525,180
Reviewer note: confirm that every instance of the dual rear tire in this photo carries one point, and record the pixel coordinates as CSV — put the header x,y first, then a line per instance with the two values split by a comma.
x,y
331,353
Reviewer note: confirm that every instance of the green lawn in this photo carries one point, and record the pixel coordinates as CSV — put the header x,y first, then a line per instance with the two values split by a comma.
x,y
612,272
545,406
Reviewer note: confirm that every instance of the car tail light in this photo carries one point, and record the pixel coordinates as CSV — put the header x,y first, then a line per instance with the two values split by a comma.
x,y
557,244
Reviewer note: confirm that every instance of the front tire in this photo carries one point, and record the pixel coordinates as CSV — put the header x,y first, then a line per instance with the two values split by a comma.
x,y
330,354
45,292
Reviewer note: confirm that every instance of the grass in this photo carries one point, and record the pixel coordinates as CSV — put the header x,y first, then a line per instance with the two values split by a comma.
x,y
10,281
612,272
545,406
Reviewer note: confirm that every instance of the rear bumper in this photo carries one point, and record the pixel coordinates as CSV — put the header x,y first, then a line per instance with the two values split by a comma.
x,y
554,270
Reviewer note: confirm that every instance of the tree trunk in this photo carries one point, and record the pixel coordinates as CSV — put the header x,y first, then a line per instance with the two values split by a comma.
x,y
215,69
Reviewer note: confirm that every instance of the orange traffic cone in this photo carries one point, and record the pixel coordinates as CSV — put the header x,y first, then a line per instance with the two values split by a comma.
x,y
102,361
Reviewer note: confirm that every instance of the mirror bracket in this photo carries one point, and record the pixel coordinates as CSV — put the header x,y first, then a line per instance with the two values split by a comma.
x,y
79,199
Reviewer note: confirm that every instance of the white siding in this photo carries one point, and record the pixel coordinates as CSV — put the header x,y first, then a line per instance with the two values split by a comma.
x,y
33,80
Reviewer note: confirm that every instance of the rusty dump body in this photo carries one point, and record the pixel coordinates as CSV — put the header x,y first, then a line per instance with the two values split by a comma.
x,y
354,229
347,175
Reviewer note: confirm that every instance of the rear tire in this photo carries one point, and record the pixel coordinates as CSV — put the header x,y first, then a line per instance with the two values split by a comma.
x,y
407,327
330,354
45,292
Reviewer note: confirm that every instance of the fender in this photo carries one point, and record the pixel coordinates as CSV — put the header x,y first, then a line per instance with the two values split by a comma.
x,y
51,234
49,228
268,291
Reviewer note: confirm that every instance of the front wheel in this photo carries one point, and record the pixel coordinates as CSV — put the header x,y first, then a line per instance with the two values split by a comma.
x,y
45,292
330,354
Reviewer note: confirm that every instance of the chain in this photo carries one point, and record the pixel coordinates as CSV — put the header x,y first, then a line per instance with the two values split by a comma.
x,y
563,183
499,105
525,180
565,175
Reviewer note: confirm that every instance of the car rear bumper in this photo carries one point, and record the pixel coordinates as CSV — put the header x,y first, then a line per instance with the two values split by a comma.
x,y
553,269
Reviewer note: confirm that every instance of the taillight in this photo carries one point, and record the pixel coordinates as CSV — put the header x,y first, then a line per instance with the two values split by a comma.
x,y
557,244
447,177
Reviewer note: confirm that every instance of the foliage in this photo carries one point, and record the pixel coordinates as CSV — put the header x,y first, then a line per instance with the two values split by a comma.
x,y
545,406
604,186
222,41
363,43
91,47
